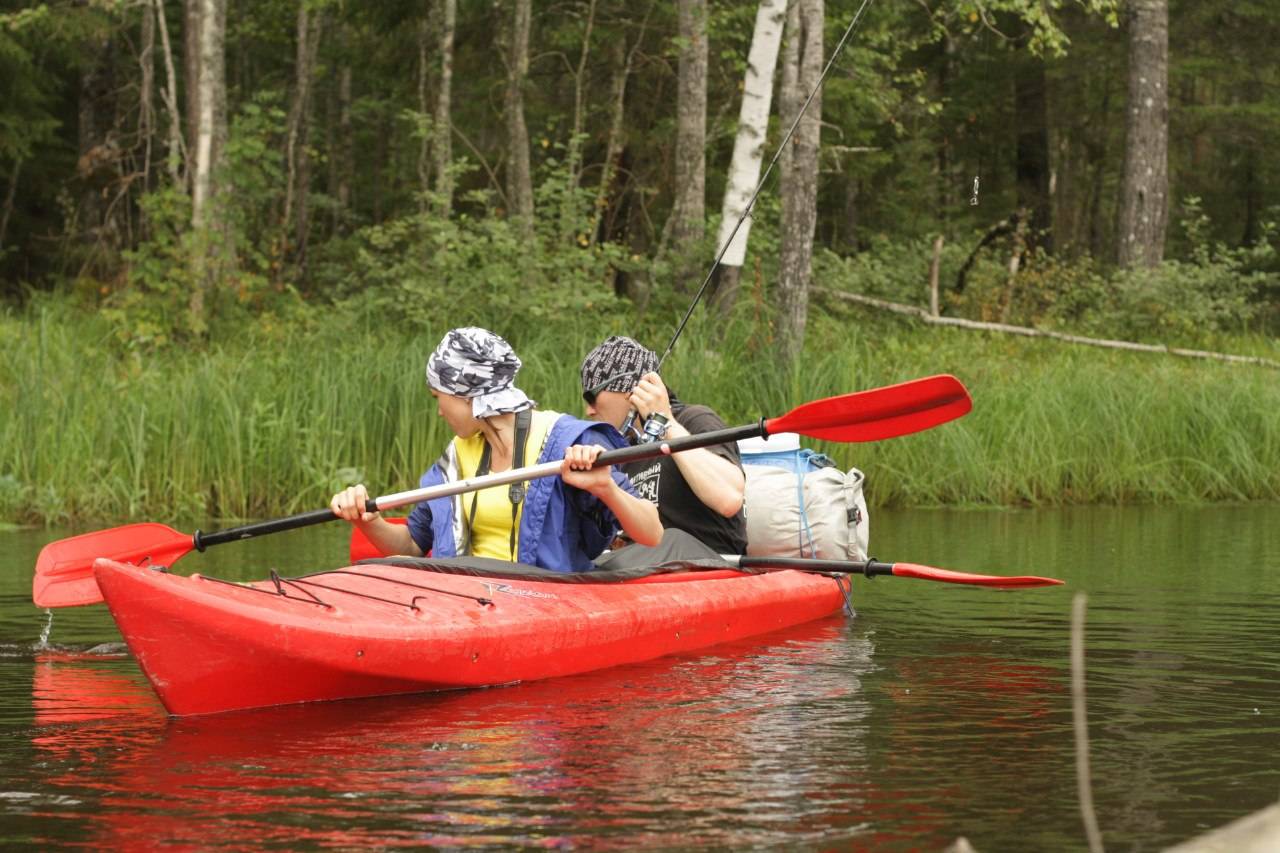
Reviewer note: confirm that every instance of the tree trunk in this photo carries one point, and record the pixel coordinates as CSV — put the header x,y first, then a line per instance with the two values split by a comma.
x,y
748,149
96,148
341,165
9,196
1145,188
297,159
1032,149
210,143
191,77
574,158
946,178
175,156
800,178
302,223
849,221
789,98
424,133
1096,153
147,90
519,176
624,60
687,223
442,150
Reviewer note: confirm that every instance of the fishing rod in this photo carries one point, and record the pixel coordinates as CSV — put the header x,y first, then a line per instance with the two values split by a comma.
x,y
645,433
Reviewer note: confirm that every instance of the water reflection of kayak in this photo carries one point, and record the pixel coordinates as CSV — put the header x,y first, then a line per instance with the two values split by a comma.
x,y
616,754
210,646
77,686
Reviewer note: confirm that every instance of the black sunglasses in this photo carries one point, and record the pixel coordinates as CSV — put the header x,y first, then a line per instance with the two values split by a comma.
x,y
591,393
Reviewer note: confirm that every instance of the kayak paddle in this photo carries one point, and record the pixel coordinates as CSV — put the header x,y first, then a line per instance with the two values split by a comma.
x,y
64,569
874,568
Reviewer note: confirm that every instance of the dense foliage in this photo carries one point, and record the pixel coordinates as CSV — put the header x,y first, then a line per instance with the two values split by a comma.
x,y
341,259
920,108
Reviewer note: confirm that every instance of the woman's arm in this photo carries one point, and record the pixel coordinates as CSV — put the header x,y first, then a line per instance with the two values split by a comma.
x,y
638,517
387,537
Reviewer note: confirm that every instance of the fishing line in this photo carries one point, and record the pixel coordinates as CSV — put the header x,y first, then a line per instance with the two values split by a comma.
x,y
628,424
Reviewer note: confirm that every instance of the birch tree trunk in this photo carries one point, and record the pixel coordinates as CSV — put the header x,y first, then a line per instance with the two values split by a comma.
x,y
687,222
800,178
748,149
1145,188
519,176
175,156
442,150
210,139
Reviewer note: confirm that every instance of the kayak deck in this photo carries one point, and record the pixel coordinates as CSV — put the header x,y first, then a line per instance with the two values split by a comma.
x,y
209,646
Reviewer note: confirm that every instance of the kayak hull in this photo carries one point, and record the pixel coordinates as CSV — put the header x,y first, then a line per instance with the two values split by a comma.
x,y
209,646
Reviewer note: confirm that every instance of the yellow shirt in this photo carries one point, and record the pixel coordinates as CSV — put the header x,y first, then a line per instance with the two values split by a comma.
x,y
491,530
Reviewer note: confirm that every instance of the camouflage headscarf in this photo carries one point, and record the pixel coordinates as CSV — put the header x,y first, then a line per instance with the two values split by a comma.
x,y
477,364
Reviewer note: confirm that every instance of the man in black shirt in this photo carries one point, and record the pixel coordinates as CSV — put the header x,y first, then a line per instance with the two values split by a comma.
x,y
698,491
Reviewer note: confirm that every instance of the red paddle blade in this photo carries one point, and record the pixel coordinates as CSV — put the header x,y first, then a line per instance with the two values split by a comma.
x,y
879,413
928,573
64,569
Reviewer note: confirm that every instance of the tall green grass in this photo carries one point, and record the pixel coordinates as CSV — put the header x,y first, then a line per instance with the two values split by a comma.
x,y
273,421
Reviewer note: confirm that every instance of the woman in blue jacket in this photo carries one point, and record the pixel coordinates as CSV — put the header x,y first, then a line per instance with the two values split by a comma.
x,y
558,523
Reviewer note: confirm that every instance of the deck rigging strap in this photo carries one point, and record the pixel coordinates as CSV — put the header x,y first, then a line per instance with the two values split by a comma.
x,y
301,583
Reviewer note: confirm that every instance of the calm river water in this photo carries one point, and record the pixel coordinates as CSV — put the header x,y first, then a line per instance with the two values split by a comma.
x,y
938,711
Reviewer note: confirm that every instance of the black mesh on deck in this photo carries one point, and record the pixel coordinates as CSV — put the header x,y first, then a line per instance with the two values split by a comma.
x,y
484,567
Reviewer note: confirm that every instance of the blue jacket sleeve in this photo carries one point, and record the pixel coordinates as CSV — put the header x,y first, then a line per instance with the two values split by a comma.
x,y
420,529
602,525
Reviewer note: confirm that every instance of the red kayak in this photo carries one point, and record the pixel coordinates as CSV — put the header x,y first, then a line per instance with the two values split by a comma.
x,y
407,626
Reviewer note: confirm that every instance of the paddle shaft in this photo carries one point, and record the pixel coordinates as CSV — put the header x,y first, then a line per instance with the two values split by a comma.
x,y
869,568
874,568
619,456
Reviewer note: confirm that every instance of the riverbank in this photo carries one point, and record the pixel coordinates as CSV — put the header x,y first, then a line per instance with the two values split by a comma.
x,y
271,420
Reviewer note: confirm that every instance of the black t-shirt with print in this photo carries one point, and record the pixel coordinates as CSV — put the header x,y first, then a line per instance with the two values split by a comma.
x,y
660,481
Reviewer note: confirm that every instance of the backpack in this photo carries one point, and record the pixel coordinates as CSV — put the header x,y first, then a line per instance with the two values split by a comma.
x,y
799,504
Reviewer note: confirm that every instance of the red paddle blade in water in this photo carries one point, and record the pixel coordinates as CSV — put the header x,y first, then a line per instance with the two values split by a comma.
x,y
64,569
879,413
928,573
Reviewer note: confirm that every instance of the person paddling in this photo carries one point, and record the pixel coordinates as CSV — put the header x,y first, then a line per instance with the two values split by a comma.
x,y
558,523
699,491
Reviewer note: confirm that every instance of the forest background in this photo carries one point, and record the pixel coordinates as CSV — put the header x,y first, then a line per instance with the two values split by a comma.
x,y
231,231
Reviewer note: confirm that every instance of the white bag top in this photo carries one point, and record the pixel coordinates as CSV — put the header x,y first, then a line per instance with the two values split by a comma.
x,y
775,443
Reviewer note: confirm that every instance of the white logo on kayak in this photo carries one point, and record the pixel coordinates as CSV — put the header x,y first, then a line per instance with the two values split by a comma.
x,y
511,590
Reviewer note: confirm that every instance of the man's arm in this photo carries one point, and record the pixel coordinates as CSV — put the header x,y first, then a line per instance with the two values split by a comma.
x,y
717,481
